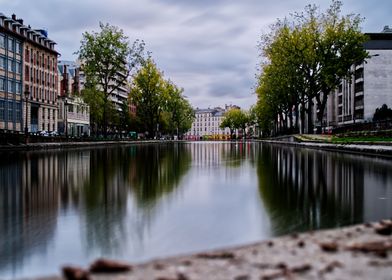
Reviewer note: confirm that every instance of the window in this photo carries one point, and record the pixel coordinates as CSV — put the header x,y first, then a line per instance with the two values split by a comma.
x,y
18,111
2,84
18,47
2,41
27,76
18,87
2,62
10,111
10,44
2,116
10,65
18,68
11,86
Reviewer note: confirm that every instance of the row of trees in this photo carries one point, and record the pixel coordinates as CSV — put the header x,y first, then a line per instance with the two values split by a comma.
x,y
306,57
110,62
236,119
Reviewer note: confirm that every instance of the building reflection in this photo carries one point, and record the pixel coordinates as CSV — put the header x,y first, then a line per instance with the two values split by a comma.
x,y
214,154
308,189
36,188
29,205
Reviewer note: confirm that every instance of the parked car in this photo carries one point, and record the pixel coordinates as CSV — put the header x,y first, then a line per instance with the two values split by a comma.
x,y
54,133
44,133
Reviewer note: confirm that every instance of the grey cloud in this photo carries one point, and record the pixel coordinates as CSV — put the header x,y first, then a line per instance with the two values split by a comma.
x,y
207,47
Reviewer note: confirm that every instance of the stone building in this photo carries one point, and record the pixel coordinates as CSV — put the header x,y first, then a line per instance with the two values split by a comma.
x,y
28,77
12,36
356,100
74,113
207,123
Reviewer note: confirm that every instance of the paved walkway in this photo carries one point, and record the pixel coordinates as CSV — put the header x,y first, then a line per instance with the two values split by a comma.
x,y
356,252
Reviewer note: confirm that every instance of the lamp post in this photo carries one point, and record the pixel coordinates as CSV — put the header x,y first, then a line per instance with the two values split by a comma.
x,y
66,117
26,128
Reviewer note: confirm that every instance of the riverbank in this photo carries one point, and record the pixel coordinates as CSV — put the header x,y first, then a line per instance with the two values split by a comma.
x,y
357,252
314,142
60,145
321,143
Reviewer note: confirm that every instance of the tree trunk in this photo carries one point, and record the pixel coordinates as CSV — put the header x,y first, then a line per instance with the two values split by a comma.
x,y
302,117
310,117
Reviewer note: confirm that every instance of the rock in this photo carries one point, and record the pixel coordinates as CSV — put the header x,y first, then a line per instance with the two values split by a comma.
x,y
222,255
385,229
75,273
105,265
329,246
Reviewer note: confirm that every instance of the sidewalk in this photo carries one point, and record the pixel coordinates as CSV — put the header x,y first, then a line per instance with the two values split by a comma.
x,y
356,252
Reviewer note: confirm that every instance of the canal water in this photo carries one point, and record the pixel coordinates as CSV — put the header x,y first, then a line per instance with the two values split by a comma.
x,y
145,201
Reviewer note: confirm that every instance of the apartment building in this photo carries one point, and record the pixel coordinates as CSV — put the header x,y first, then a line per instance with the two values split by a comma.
x,y
207,123
28,77
11,76
74,113
356,100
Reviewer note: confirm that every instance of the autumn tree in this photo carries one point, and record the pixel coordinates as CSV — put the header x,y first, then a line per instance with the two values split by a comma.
x,y
147,94
108,59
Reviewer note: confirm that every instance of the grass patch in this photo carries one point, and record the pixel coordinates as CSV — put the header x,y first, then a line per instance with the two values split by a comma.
x,y
366,139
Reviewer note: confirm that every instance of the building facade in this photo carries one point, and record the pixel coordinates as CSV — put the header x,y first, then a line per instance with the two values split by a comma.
x,y
11,76
207,123
370,87
74,113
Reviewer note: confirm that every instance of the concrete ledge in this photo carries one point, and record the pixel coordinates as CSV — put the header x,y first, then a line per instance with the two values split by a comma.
x,y
371,149
356,252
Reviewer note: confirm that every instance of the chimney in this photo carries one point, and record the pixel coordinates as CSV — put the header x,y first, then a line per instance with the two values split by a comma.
x,y
20,21
13,16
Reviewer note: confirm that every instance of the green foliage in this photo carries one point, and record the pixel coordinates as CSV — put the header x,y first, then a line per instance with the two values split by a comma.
x,y
235,119
160,103
96,100
179,110
104,55
382,113
305,59
147,93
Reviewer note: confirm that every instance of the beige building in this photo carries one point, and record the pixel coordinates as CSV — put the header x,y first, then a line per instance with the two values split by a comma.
x,y
207,123
40,80
74,113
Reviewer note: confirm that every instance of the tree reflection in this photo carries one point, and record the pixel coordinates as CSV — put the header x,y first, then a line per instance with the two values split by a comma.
x,y
308,189
156,170
148,171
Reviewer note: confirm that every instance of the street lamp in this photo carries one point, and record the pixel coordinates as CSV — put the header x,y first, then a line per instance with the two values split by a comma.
x,y
66,117
26,94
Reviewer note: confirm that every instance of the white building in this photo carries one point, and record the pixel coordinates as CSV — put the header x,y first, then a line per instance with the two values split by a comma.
x,y
370,87
207,123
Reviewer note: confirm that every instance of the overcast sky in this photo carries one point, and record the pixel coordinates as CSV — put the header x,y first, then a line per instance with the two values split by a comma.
x,y
208,47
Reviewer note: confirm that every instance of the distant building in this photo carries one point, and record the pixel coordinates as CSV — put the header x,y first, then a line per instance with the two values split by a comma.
x,y
207,123
74,113
356,100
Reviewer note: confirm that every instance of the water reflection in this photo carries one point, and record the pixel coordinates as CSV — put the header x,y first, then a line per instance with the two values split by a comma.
x,y
307,189
139,202
36,188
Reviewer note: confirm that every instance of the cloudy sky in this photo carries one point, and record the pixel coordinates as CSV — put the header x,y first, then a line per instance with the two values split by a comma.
x,y
208,47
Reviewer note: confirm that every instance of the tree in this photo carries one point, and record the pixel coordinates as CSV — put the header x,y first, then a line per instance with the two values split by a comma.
x,y
307,57
95,100
179,110
382,113
108,60
147,94
235,119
